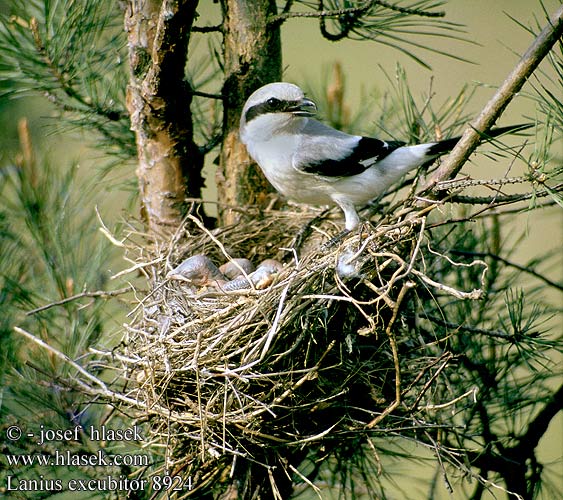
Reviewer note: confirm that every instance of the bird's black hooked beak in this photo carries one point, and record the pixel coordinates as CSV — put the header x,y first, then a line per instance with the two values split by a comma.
x,y
303,107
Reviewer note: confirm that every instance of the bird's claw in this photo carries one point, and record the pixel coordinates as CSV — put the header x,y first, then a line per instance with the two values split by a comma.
x,y
335,240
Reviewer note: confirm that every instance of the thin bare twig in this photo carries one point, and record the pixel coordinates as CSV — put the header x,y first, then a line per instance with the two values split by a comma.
x,y
66,300
359,10
389,331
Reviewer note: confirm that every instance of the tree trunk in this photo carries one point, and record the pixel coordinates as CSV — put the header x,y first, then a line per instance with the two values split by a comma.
x,y
252,58
158,101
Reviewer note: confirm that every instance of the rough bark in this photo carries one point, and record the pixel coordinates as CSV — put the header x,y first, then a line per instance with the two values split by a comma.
x,y
158,101
252,58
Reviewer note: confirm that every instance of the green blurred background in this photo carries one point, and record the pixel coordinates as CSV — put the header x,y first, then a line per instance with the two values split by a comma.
x,y
308,60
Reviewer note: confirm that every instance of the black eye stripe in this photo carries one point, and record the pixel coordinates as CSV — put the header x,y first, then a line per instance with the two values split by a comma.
x,y
272,105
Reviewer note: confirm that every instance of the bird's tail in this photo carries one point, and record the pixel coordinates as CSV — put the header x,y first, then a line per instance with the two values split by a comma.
x,y
446,145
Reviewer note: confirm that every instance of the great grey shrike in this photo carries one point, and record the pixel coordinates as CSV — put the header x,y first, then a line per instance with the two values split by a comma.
x,y
312,163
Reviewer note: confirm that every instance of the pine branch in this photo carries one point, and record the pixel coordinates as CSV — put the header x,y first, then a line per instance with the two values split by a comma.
x,y
70,53
537,427
539,49
65,84
66,300
511,462
355,11
410,11
208,29
457,327
208,95
385,22
497,200
279,18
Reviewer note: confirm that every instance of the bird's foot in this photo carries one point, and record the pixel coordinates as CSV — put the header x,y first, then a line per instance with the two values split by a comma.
x,y
335,240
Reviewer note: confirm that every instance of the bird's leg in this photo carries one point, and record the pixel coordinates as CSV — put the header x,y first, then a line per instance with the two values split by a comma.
x,y
352,221
350,214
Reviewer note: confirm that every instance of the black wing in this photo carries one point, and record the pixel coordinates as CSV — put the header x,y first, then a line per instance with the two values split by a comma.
x,y
367,152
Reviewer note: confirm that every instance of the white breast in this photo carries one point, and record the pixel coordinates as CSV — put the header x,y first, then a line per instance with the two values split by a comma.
x,y
273,143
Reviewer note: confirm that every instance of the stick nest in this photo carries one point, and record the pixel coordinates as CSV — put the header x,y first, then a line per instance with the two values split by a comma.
x,y
327,355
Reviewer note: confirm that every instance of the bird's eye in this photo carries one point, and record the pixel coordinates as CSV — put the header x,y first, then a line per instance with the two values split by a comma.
x,y
273,102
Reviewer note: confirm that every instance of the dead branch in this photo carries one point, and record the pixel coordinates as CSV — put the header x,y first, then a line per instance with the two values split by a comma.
x,y
541,46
